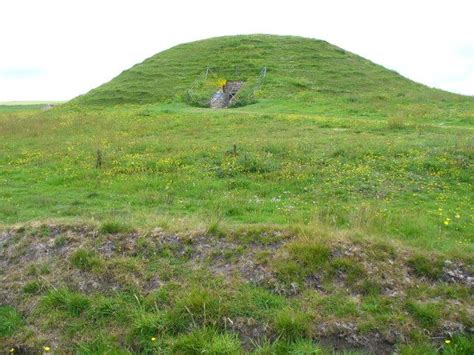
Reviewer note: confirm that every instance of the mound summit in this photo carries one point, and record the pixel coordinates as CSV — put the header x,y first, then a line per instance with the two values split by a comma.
x,y
297,70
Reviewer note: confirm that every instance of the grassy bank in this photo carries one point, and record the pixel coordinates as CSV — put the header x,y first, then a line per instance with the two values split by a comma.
x,y
264,291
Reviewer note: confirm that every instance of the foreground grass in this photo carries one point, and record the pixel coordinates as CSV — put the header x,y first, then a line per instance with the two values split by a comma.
x,y
262,291
411,181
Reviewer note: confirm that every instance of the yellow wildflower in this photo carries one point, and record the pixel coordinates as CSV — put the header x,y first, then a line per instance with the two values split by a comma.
x,y
447,341
221,82
12,350
46,349
153,338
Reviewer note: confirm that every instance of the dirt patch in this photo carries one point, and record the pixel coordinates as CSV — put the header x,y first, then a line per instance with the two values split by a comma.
x,y
343,335
455,272
250,331
21,249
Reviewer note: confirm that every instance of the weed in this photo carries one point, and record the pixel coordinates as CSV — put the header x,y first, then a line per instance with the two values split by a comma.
x,y
310,255
10,321
85,260
65,300
283,347
104,307
423,266
352,270
38,269
208,341
291,324
147,325
60,241
99,345
288,271
303,258
459,345
369,288
198,307
377,305
427,314
214,227
396,123
418,349
32,287
113,227
338,305
253,301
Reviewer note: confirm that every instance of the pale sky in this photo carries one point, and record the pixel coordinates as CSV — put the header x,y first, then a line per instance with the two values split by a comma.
x,y
58,49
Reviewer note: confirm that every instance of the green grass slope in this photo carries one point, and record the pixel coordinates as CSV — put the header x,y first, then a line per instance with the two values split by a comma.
x,y
301,74
333,214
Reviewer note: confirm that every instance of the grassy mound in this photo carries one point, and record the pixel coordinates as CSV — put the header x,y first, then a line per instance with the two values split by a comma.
x,y
301,73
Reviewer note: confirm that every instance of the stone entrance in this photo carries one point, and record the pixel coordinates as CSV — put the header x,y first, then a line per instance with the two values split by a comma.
x,y
226,94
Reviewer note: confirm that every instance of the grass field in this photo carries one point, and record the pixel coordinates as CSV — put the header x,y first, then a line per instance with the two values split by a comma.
x,y
335,213
25,105
395,178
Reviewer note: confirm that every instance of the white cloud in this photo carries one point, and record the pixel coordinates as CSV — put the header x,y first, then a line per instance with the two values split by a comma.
x,y
77,45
